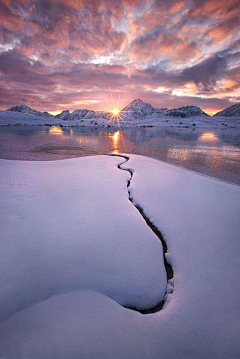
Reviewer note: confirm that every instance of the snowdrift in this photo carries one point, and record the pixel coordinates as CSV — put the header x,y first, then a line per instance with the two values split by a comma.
x,y
75,250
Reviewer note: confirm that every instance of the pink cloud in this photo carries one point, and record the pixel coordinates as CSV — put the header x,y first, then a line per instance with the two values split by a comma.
x,y
51,45
212,8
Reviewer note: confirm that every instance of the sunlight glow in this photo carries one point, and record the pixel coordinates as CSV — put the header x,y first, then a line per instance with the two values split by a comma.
x,y
55,130
208,136
118,116
115,111
161,89
54,112
115,137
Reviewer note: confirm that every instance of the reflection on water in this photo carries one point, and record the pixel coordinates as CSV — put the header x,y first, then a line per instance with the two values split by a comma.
x,y
206,157
212,152
208,136
181,154
115,138
190,153
56,130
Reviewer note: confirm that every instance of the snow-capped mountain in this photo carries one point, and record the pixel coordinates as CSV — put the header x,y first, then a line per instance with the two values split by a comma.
x,y
231,111
139,105
137,114
187,111
138,109
76,115
28,110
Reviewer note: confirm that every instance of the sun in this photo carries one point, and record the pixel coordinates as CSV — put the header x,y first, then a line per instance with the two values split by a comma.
x,y
115,111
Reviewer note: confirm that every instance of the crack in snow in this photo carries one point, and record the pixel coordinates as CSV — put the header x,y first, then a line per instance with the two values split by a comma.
x,y
167,265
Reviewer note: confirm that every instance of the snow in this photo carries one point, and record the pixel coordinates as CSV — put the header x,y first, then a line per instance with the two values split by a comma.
x,y
74,247
67,234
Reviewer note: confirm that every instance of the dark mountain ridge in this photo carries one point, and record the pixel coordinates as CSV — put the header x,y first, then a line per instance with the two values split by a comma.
x,y
231,111
29,110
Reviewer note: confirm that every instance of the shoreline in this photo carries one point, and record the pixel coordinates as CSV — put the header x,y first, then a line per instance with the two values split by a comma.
x,y
214,153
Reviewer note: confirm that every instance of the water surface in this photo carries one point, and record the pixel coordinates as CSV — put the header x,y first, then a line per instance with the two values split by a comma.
x,y
212,152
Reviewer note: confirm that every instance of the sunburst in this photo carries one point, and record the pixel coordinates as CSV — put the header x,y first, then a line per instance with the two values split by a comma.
x,y
115,111
116,114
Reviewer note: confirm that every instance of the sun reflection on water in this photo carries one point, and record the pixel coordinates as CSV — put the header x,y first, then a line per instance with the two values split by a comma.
x,y
55,130
115,139
116,136
208,136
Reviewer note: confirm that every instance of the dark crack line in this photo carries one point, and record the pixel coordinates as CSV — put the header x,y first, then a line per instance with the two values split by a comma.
x,y
167,265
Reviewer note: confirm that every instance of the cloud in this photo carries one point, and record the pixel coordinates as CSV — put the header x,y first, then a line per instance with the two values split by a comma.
x,y
223,29
59,52
207,72
55,24
165,44
203,9
12,63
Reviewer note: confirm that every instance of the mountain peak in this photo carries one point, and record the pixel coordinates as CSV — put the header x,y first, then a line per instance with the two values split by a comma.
x,y
137,101
20,108
138,105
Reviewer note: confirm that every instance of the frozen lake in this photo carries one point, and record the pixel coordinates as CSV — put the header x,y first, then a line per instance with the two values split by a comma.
x,y
209,151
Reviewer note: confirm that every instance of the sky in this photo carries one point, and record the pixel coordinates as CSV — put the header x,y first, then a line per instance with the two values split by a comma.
x,y
74,54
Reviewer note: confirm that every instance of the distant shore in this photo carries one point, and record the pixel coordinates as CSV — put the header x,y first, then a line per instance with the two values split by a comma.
x,y
8,118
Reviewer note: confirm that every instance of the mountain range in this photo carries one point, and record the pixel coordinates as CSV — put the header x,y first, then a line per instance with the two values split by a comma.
x,y
136,109
139,108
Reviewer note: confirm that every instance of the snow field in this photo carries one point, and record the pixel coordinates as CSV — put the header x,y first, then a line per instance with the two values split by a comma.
x,y
69,226
200,220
